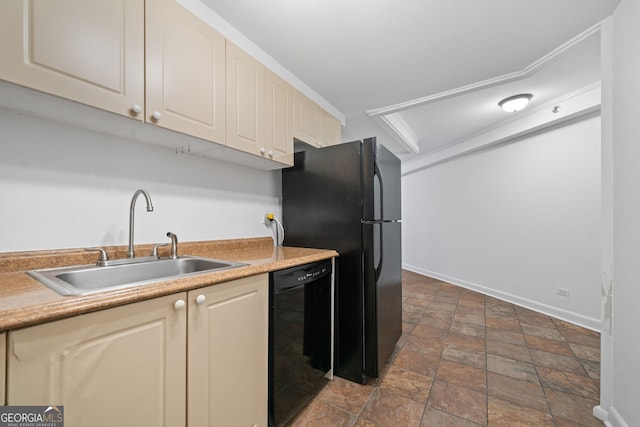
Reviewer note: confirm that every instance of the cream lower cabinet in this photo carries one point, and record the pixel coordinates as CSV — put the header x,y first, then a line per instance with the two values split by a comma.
x,y
198,359
228,354
123,366
89,51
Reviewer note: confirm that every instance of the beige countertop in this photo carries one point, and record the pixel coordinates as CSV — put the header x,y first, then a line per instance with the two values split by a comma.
x,y
24,301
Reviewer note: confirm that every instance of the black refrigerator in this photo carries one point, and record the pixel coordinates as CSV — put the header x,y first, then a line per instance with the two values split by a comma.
x,y
347,197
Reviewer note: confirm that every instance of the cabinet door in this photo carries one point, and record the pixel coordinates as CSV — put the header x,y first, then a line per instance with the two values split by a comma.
x,y
332,129
278,119
228,354
185,72
118,367
306,119
90,51
245,101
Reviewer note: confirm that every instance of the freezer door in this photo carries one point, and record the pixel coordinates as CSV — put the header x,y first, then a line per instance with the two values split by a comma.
x,y
382,293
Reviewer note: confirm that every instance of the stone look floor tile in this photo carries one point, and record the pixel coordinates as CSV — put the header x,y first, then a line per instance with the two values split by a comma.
x,y
469,360
511,351
346,395
520,392
552,346
417,362
585,352
407,383
436,418
435,322
506,414
319,413
474,319
593,369
441,307
412,313
466,341
568,382
539,331
459,401
574,408
427,345
462,375
584,339
510,324
512,368
387,409
426,331
557,361
511,337
532,318
466,356
467,328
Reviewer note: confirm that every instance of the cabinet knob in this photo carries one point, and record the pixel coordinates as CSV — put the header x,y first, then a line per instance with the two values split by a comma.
x,y
270,153
180,304
156,115
262,150
200,299
136,108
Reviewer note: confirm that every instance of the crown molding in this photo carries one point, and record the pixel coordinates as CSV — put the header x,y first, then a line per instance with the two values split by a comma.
x,y
574,105
505,78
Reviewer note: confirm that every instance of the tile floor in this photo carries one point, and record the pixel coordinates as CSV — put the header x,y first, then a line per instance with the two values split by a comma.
x,y
469,360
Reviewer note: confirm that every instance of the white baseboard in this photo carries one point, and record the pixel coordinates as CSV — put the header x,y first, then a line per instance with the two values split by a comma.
x,y
610,417
558,313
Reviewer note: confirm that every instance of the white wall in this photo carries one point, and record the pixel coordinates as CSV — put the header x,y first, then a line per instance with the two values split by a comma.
x,y
621,350
62,186
515,221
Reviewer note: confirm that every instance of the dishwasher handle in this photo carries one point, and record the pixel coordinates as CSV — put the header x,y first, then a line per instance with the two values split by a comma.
x,y
294,278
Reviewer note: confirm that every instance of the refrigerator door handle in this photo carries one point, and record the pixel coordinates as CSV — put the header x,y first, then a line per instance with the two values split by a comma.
x,y
378,175
378,268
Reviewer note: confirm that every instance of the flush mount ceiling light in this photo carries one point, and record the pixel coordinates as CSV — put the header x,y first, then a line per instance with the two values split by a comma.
x,y
515,103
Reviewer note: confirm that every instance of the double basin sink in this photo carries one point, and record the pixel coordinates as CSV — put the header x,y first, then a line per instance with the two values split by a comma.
x,y
88,279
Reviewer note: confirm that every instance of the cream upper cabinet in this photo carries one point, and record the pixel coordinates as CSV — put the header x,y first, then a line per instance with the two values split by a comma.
x,y
314,125
331,129
245,101
278,119
90,51
259,108
185,72
118,367
228,353
306,119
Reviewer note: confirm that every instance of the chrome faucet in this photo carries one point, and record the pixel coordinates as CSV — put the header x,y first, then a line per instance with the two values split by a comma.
x,y
131,254
174,245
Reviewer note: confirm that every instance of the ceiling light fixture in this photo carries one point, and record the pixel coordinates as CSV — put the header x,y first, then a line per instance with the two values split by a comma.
x,y
515,103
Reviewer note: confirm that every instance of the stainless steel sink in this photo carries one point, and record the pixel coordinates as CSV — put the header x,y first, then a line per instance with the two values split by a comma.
x,y
87,279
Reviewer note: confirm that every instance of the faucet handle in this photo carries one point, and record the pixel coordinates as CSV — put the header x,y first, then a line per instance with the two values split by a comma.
x,y
104,258
154,251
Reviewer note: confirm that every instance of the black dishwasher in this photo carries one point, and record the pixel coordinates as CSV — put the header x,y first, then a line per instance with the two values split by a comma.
x,y
300,337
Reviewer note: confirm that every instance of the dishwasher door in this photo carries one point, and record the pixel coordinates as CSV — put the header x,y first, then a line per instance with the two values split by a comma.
x,y
300,337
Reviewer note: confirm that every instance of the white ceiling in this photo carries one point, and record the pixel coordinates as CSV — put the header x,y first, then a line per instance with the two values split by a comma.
x,y
436,68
